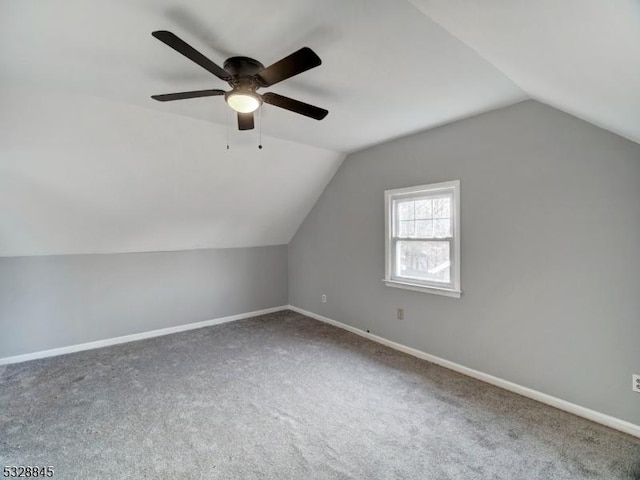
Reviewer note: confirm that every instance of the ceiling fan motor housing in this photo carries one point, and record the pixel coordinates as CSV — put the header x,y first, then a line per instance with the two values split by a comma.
x,y
243,70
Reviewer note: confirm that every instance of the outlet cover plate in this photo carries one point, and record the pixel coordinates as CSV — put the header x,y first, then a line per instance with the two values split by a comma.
x,y
636,383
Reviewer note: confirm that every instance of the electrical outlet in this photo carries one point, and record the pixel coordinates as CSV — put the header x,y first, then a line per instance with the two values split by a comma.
x,y
636,383
324,299
401,314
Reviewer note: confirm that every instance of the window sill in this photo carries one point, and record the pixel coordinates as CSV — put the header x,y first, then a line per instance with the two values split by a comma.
x,y
422,288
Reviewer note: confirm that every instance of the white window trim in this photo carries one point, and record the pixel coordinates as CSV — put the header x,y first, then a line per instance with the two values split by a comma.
x,y
450,291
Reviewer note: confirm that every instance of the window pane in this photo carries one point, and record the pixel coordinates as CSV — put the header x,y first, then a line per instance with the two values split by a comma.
x,y
430,261
424,217
405,210
424,209
424,228
442,228
442,207
407,228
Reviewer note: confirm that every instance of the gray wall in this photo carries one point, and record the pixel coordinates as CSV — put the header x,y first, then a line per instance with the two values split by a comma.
x,y
550,252
55,301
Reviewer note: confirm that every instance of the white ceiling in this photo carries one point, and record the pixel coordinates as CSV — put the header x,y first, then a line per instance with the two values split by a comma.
x,y
387,70
581,56
89,163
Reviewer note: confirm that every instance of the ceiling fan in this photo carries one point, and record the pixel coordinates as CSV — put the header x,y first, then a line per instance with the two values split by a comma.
x,y
245,76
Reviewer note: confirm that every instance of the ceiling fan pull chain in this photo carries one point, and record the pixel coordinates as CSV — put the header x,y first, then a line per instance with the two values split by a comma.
x,y
260,127
226,126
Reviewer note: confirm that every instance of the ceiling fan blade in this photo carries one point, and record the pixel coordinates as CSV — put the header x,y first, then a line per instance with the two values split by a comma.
x,y
191,53
298,62
295,106
167,97
245,121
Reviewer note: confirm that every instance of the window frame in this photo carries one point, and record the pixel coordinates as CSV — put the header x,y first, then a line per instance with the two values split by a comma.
x,y
451,289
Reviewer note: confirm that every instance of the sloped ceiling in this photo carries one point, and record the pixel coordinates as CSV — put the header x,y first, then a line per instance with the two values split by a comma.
x,y
89,163
80,174
580,56
387,70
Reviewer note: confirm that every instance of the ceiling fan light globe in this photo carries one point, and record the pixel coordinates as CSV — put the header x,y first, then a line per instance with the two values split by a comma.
x,y
243,102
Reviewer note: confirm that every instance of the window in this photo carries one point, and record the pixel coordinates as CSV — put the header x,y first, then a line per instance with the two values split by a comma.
x,y
423,238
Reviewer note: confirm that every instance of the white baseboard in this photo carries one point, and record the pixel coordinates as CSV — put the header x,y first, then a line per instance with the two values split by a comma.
x,y
601,418
136,336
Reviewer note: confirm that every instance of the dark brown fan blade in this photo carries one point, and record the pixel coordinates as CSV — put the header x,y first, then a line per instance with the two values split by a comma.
x,y
167,97
191,53
294,105
245,121
298,62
